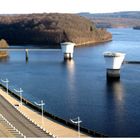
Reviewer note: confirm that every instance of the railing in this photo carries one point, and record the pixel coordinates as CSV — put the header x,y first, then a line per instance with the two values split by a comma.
x,y
16,49
131,62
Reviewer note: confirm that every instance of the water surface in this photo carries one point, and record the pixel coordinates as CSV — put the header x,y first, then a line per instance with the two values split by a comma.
x,y
79,88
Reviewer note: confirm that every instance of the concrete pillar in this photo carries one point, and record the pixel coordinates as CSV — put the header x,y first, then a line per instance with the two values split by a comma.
x,y
67,49
26,55
113,64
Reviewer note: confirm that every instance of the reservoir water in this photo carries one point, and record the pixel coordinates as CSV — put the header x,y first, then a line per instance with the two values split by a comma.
x,y
79,88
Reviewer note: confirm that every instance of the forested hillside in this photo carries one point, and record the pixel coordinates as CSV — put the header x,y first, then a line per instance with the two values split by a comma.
x,y
50,29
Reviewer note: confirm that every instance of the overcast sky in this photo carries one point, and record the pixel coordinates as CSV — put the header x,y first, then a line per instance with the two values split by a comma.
x,y
67,6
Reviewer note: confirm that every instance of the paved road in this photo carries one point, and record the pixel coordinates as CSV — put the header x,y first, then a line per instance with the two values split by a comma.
x,y
19,121
7,131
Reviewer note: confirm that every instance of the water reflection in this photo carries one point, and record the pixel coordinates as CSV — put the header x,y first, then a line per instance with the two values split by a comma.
x,y
115,105
115,90
70,65
4,59
72,95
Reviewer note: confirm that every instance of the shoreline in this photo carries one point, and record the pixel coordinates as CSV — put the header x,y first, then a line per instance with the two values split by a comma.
x,y
64,128
92,43
83,44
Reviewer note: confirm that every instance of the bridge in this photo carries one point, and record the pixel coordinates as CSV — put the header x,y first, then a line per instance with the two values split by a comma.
x,y
16,49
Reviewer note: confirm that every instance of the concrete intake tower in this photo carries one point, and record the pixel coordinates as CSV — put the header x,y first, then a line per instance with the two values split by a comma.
x,y
113,64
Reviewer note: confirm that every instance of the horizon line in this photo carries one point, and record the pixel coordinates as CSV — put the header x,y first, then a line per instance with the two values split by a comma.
x,y
68,12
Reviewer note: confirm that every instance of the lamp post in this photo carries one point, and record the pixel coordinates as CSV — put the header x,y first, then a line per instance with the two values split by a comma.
x,y
78,123
41,104
6,81
20,92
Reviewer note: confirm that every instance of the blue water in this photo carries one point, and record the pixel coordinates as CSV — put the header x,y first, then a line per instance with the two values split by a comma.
x,y
79,87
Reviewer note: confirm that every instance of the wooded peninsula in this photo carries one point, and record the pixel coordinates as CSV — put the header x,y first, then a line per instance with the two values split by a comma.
x,y
50,29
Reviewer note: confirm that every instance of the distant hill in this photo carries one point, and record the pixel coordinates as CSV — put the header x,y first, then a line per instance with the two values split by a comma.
x,y
126,14
117,19
50,28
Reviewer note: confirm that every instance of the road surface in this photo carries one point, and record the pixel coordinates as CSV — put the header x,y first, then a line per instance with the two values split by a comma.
x,y
19,121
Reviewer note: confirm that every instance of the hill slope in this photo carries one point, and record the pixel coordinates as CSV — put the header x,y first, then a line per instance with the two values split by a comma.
x,y
50,29
116,19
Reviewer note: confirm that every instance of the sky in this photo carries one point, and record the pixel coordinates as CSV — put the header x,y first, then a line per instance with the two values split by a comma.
x,y
67,6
